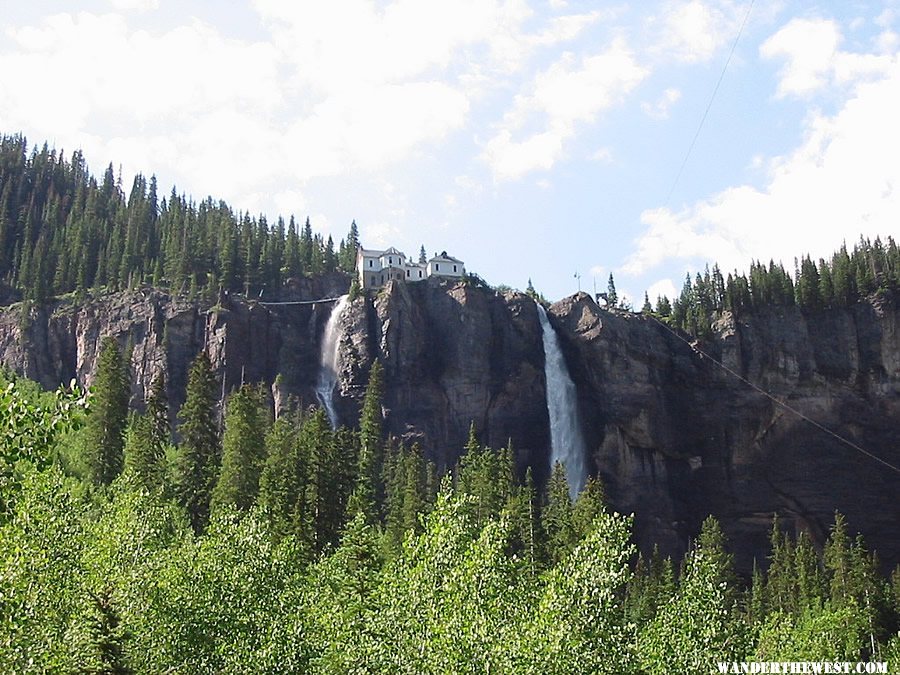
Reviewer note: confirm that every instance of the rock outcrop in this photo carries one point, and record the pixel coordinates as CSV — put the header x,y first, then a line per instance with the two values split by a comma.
x,y
673,426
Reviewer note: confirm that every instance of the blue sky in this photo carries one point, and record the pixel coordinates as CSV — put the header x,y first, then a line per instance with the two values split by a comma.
x,y
530,139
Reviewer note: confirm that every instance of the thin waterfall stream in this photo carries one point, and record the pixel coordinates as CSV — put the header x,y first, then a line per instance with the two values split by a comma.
x,y
330,360
566,441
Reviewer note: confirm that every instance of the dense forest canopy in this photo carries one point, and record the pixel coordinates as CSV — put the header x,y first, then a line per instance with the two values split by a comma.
x,y
870,269
62,230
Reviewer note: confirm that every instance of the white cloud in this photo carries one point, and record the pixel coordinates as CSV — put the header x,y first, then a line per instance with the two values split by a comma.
x,y
662,288
345,44
603,155
136,5
692,31
660,109
887,42
566,28
842,181
382,234
813,60
342,134
568,93
809,47
187,104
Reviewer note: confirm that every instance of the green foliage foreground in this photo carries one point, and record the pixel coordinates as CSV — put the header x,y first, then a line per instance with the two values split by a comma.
x,y
459,578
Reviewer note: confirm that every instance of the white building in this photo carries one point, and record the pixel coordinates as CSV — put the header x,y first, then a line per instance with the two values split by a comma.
x,y
375,268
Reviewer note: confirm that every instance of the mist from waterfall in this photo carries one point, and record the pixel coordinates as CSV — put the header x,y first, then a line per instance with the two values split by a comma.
x,y
566,441
329,360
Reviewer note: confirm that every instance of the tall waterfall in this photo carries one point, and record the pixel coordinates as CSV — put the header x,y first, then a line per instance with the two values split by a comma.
x,y
330,360
566,442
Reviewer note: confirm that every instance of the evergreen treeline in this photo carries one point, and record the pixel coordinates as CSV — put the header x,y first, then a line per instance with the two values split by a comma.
x,y
283,546
62,230
872,268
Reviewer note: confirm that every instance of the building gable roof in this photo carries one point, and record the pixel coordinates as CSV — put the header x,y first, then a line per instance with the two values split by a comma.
x,y
443,257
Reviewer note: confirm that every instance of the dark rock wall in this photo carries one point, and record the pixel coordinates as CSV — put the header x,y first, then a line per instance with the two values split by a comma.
x,y
673,435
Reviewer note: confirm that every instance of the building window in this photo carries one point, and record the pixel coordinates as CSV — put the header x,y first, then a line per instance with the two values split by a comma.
x,y
373,280
382,278
407,272
371,262
390,261
436,267
454,268
420,274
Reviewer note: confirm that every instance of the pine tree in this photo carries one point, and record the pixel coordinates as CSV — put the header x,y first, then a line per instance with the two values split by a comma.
x,y
293,265
307,248
780,585
663,306
591,503
329,259
109,410
198,453
243,451
150,434
556,516
837,560
323,499
366,489
523,511
103,649
612,298
351,247
284,476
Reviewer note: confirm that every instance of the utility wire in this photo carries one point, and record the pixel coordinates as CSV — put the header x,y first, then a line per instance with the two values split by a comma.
x,y
778,401
709,105
693,346
299,302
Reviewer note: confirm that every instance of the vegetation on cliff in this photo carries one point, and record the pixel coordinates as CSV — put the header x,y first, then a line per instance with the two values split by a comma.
x,y
63,230
870,269
475,571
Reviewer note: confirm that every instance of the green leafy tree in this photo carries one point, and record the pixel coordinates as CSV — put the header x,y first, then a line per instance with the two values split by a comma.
x,y
699,626
580,625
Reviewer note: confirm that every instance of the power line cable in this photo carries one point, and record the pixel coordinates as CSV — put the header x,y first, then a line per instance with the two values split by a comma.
x,y
709,105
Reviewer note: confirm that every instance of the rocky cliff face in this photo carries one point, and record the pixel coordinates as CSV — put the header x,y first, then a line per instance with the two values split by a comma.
x,y
673,435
